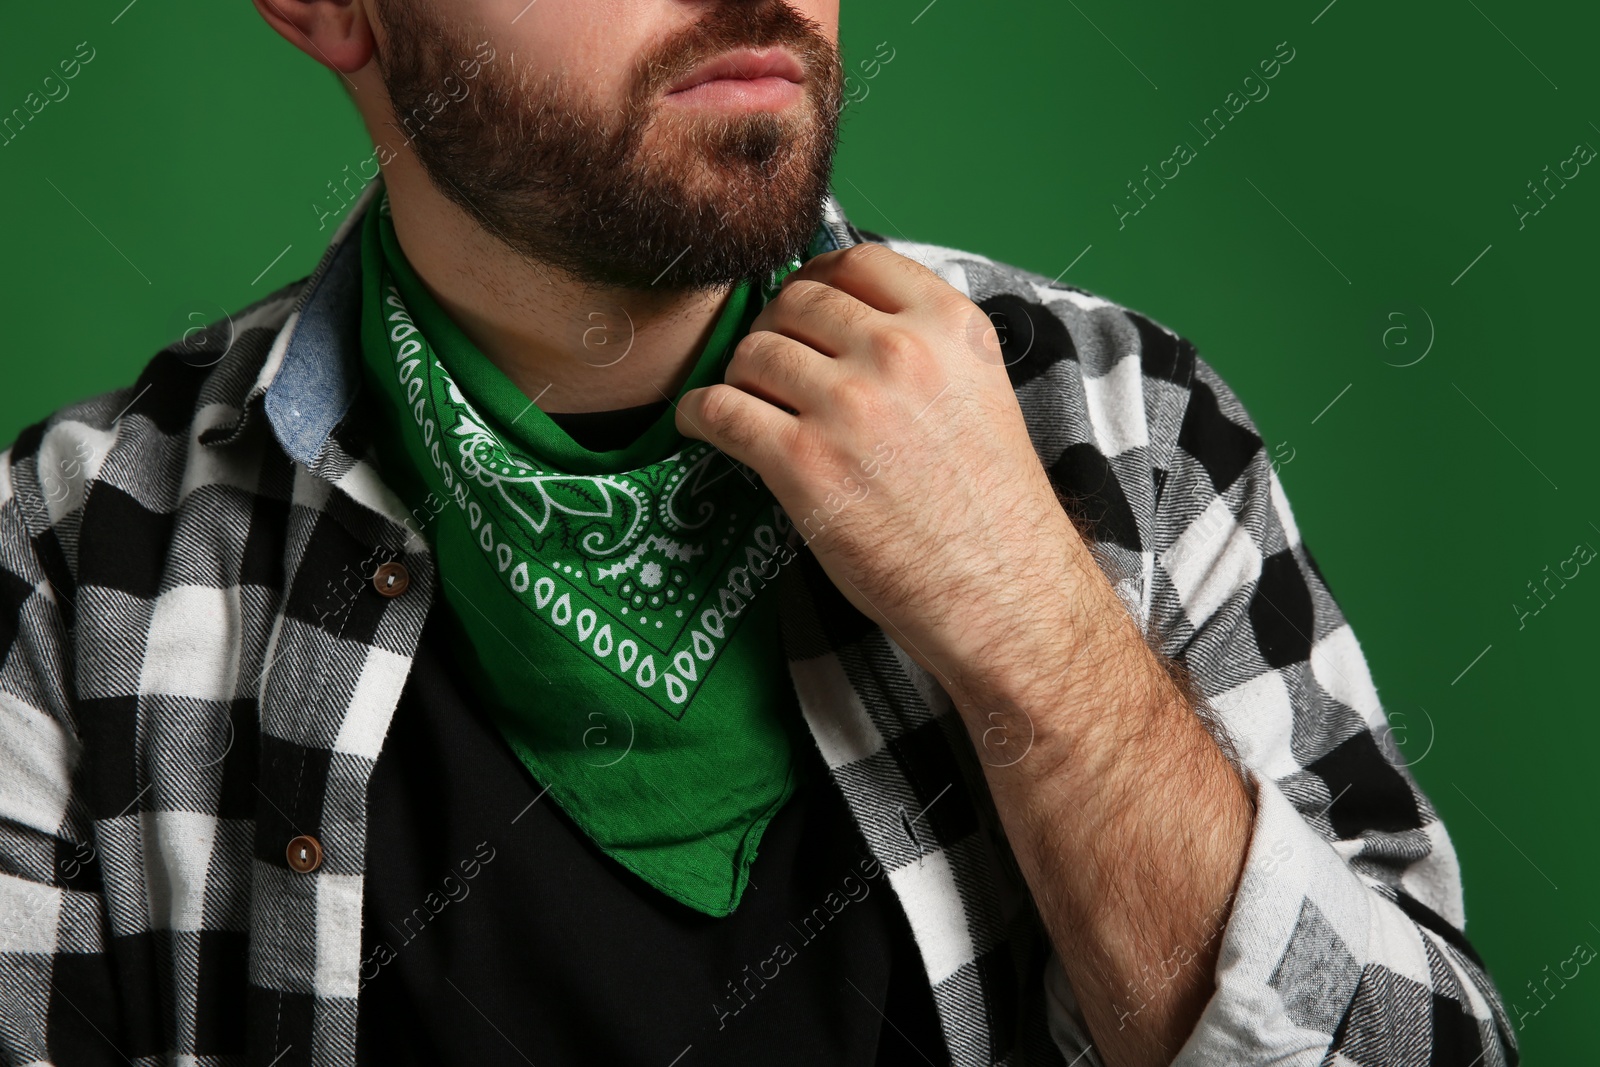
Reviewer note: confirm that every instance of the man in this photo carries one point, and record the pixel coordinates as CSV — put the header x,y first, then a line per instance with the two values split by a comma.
x,y
616,611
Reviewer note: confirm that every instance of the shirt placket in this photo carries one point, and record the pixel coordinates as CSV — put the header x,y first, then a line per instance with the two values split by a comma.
x,y
349,624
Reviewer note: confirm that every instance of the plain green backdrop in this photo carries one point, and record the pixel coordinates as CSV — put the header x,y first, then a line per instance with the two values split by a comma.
x,y
1356,252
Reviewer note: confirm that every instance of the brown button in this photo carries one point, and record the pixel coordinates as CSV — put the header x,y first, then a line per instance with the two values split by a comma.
x,y
305,854
391,579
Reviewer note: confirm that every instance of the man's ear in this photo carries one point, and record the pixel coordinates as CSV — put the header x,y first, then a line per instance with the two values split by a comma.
x,y
336,33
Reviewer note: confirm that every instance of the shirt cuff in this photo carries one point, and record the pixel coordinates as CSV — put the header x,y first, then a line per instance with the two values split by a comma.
x,y
1299,931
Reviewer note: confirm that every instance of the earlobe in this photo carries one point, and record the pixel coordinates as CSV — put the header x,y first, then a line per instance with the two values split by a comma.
x,y
336,33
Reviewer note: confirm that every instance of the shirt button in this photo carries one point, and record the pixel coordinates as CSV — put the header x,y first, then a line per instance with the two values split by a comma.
x,y
391,579
305,854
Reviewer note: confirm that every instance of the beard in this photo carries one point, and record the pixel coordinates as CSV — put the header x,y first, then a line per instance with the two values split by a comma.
x,y
641,197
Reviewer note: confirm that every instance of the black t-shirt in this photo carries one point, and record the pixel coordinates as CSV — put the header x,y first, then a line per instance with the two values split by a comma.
x,y
496,931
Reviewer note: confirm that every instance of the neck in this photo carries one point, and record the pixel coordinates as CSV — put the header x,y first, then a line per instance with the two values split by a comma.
x,y
568,345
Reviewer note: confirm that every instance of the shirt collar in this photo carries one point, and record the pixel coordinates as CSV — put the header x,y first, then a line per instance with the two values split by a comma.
x,y
312,371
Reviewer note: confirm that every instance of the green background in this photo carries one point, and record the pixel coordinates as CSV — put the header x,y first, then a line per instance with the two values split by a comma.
x,y
176,183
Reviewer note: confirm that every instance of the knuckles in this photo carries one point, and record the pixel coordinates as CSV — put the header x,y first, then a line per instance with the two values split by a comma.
x,y
869,256
808,450
865,254
722,413
859,260
802,297
763,356
860,397
748,350
718,412
898,350
801,291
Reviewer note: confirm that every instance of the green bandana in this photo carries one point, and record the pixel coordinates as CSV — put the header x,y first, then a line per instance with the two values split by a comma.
x,y
610,609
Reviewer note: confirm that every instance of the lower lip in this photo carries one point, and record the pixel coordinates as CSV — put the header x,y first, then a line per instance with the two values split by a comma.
x,y
756,93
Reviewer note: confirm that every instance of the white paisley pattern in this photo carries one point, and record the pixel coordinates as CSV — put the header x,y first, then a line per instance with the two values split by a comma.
x,y
647,571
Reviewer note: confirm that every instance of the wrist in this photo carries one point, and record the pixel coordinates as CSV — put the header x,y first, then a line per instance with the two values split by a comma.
x,y
1064,685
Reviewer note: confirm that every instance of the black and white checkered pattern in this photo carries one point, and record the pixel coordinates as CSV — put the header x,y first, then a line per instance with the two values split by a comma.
x,y
194,669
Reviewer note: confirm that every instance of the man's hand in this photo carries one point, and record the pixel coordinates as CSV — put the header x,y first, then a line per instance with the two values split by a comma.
x,y
871,397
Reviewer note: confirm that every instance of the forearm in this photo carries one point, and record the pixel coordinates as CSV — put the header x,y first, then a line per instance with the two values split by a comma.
x,y
1129,824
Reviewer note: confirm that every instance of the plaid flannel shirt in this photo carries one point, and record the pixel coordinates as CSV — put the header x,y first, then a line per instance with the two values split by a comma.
x,y
195,668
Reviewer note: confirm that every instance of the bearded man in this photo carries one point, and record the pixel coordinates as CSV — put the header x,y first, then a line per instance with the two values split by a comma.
x,y
617,611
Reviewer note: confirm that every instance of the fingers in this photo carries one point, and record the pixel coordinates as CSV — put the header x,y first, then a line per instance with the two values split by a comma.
x,y
820,316
740,424
877,277
783,371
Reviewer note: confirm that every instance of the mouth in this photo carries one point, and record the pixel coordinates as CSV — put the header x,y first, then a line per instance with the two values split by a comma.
x,y
745,77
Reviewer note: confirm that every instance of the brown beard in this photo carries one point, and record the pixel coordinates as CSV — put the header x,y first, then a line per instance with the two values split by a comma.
x,y
713,199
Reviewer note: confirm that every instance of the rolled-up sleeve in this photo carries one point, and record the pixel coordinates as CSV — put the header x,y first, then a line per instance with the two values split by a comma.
x,y
1344,940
